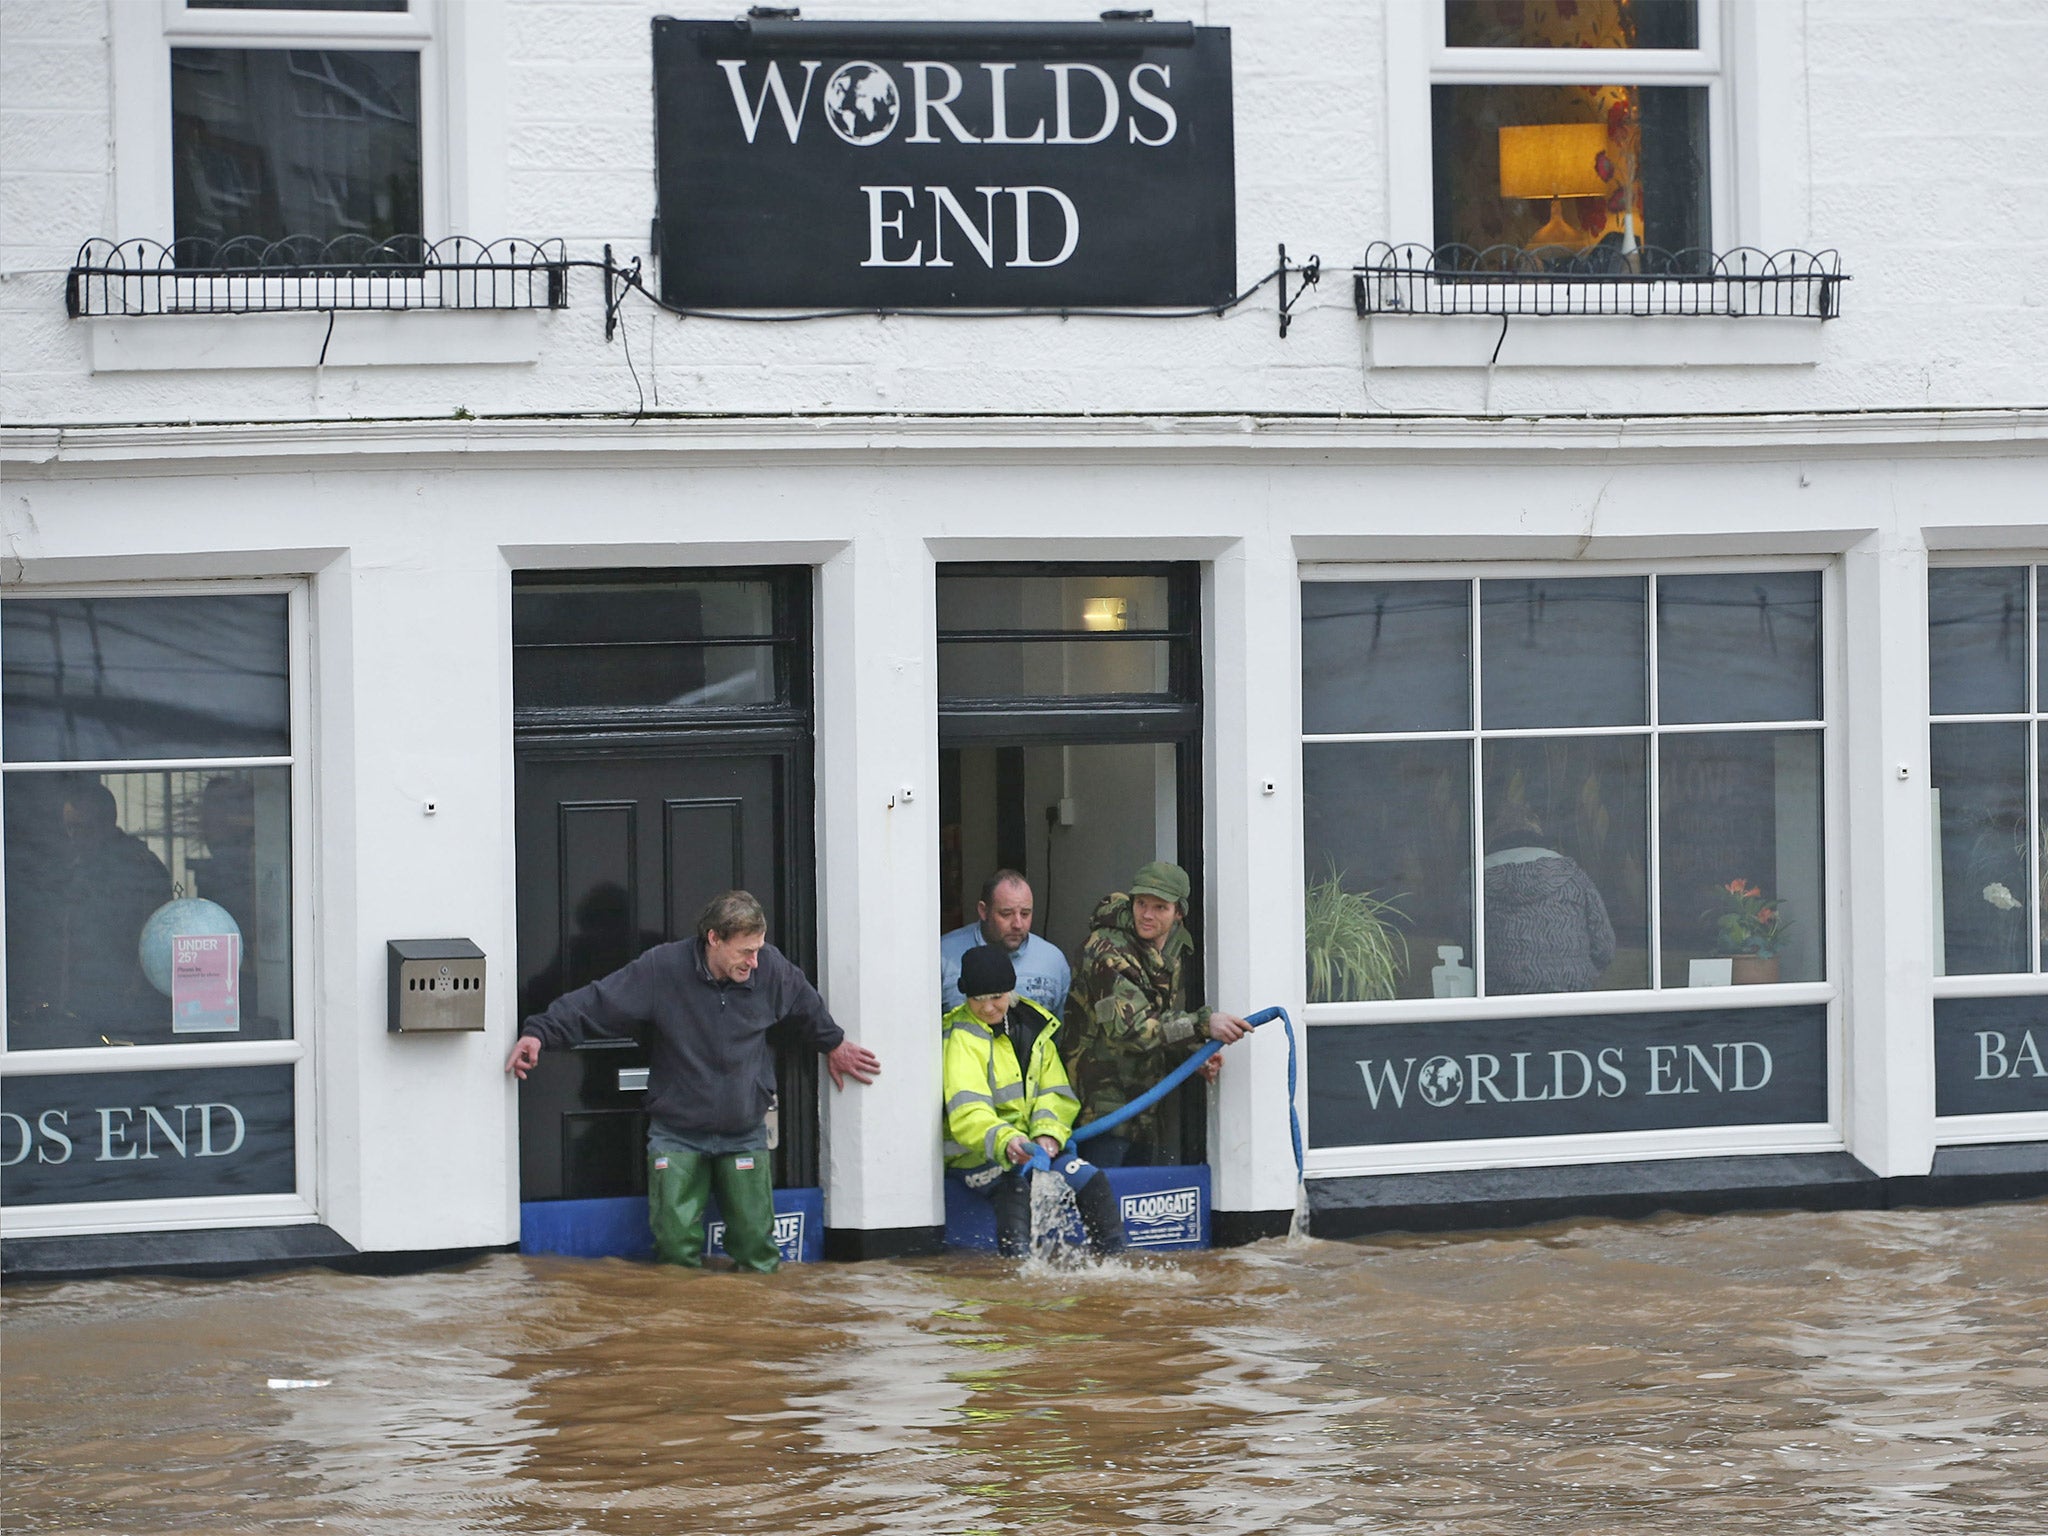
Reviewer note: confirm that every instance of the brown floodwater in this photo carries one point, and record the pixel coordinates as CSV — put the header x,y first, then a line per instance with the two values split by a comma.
x,y
1865,1372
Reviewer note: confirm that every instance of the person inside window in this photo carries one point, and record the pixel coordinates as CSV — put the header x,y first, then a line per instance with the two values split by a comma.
x,y
115,886
1546,926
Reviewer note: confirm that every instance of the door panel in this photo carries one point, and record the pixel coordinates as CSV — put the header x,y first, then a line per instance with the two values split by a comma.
x,y
617,853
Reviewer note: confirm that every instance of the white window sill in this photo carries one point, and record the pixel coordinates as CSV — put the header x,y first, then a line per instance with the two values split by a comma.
x,y
360,339
1592,341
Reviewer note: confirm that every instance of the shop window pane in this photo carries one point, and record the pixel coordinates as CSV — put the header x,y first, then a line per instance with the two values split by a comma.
x,y
1977,640
1008,669
1563,651
1739,647
1566,864
275,142
1575,24
1607,166
1740,840
1980,784
1079,604
1386,656
95,678
1388,828
2041,826
148,907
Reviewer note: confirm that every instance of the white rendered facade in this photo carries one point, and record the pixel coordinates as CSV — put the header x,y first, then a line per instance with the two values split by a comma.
x,y
394,491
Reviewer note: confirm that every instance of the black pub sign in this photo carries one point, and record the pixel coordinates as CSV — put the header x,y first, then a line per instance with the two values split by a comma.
x,y
1376,1083
944,164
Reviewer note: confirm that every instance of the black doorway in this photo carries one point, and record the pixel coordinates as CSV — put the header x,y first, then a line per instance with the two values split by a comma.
x,y
662,751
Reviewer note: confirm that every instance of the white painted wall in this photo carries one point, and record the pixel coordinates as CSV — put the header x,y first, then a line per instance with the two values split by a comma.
x,y
1899,132
409,534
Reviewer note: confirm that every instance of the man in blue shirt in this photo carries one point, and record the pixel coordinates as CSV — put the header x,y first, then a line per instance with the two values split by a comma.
x,y
1005,913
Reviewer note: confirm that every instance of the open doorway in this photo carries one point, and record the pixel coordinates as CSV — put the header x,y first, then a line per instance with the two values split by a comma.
x,y
1070,742
1075,818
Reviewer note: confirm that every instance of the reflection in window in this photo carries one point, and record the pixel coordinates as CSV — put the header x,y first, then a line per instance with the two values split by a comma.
x,y
149,902
1990,801
1977,640
1982,878
1389,841
1740,858
1386,656
1565,747
1562,652
93,679
1738,647
1566,864
148,906
274,142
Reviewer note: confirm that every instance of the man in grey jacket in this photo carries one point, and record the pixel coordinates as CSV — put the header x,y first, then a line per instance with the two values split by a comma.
x,y
706,1006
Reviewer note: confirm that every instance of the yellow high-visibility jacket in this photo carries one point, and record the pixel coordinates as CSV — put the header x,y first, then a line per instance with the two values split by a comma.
x,y
990,1099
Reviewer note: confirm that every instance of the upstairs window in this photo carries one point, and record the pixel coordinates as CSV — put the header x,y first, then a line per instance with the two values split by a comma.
x,y
313,122
269,144
1571,126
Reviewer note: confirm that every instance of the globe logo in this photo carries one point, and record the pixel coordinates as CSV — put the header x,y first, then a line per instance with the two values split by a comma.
x,y
861,103
1441,1080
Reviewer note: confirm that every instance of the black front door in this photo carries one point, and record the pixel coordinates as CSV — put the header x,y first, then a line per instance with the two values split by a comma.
x,y
659,762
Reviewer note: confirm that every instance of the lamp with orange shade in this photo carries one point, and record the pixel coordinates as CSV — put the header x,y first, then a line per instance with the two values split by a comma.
x,y
1554,160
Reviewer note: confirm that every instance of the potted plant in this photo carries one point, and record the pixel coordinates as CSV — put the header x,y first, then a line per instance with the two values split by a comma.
x,y
1355,953
1752,929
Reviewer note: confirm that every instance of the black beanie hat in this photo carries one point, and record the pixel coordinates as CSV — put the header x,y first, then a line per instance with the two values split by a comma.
x,y
986,970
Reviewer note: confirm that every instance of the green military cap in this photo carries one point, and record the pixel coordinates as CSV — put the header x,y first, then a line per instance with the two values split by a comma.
x,y
1169,882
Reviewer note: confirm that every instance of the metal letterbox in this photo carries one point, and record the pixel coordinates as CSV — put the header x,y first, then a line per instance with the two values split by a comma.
x,y
436,986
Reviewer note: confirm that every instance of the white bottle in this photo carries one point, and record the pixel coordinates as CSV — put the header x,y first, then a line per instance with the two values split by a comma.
x,y
1451,979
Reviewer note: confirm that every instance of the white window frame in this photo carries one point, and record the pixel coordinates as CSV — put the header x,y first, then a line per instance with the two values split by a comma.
x,y
300,1052
1831,992
1411,178
463,128
461,44
1751,59
2023,1125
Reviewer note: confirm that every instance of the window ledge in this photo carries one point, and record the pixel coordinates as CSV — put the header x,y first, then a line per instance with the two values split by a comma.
x,y
1591,341
362,339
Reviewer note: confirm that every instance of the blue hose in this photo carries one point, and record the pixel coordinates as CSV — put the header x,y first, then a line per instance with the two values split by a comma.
x,y
1042,1163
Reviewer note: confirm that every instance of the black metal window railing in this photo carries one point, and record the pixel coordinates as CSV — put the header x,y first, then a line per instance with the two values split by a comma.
x,y
248,276
1550,280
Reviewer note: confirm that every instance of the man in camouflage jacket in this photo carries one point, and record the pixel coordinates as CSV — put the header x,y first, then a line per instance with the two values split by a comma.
x,y
1128,1019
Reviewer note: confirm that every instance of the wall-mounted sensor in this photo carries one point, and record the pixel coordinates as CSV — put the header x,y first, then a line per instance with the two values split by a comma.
x,y
429,807
1269,787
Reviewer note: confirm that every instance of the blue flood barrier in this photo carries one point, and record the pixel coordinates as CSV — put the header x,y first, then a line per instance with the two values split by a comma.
x,y
617,1228
1164,1209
